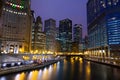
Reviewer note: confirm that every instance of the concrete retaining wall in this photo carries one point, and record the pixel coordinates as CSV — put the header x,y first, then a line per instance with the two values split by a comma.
x,y
25,68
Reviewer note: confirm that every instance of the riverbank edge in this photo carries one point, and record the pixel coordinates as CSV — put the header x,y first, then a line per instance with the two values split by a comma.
x,y
99,62
24,68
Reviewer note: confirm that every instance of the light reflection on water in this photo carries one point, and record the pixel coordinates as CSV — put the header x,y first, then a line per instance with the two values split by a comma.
x,y
88,69
69,69
3,78
44,74
33,75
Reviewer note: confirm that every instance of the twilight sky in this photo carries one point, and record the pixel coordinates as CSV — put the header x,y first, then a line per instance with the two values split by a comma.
x,y
61,9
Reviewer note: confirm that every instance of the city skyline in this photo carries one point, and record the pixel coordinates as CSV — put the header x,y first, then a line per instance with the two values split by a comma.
x,y
32,47
59,11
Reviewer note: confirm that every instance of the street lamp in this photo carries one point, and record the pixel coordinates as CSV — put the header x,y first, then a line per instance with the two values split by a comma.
x,y
31,51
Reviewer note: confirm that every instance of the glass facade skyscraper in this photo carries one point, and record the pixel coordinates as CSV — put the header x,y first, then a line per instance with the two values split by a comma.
x,y
65,35
77,37
103,18
77,33
50,30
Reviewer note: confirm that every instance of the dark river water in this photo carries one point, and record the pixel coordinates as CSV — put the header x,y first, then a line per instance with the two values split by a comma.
x,y
69,69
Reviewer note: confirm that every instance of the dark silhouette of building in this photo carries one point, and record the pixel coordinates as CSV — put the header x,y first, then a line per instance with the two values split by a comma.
x,y
103,19
65,35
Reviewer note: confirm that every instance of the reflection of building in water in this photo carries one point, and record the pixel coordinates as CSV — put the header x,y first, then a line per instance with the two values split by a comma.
x,y
15,26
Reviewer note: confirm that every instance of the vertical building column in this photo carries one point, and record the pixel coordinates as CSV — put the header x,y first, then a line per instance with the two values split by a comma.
x,y
105,51
93,52
102,52
7,48
98,52
109,51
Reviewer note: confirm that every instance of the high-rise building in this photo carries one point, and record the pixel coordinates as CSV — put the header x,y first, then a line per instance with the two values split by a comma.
x,y
103,18
77,36
57,40
65,35
77,33
15,26
38,36
33,17
85,42
57,33
32,28
50,30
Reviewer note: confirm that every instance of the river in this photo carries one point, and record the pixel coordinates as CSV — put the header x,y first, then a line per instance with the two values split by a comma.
x,y
68,69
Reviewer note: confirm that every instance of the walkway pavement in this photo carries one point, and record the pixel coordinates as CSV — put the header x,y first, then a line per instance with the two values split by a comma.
x,y
110,62
25,67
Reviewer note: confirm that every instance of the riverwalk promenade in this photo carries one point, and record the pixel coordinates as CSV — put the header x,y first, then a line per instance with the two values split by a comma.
x,y
5,71
110,62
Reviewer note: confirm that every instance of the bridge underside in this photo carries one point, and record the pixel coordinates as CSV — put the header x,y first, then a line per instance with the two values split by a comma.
x,y
69,56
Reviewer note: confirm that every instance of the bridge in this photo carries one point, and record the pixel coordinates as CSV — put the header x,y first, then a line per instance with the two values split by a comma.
x,y
72,55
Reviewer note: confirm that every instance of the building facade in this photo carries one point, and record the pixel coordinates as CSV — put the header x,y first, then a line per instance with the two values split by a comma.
x,y
57,40
15,26
65,35
77,33
32,29
38,37
77,37
103,18
50,30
